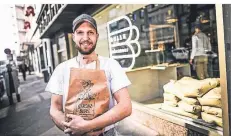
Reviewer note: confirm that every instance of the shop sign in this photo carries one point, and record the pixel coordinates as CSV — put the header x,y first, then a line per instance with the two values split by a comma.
x,y
123,39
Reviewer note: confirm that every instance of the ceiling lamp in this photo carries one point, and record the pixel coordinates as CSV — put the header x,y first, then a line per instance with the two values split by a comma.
x,y
171,18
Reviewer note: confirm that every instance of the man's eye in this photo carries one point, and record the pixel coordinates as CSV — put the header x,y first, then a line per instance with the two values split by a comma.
x,y
91,33
79,32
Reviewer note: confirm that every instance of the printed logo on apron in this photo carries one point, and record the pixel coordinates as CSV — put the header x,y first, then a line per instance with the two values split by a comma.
x,y
88,94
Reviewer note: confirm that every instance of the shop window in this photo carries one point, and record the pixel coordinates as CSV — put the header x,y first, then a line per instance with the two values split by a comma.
x,y
62,53
161,32
46,53
113,26
62,56
159,51
42,59
173,34
61,43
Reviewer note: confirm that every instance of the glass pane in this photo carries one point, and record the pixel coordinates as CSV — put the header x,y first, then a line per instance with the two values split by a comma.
x,y
62,56
166,46
61,43
42,59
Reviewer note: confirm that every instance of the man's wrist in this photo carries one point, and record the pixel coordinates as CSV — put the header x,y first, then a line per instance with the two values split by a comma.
x,y
88,125
58,117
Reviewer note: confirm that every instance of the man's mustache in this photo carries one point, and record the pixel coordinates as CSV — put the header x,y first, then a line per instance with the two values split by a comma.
x,y
88,42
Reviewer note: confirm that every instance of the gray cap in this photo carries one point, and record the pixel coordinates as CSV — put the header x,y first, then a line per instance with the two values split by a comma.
x,y
82,18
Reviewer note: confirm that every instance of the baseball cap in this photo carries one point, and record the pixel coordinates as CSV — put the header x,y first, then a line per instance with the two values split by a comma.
x,y
83,18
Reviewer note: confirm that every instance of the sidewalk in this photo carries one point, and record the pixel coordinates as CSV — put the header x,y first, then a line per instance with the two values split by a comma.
x,y
30,117
31,80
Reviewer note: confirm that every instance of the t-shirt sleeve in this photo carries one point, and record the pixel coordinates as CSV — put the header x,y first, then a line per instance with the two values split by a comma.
x,y
55,84
119,78
194,46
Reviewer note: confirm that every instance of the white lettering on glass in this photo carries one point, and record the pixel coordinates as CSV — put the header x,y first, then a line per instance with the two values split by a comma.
x,y
118,39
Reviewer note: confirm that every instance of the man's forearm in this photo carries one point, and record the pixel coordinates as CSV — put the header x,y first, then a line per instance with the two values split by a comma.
x,y
112,116
58,117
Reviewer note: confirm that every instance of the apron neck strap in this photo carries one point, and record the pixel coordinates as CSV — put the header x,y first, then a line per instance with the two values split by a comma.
x,y
96,59
97,64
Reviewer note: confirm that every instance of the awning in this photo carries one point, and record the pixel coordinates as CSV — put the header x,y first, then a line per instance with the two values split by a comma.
x,y
63,21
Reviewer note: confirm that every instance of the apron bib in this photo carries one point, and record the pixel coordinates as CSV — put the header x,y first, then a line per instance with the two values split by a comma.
x,y
88,93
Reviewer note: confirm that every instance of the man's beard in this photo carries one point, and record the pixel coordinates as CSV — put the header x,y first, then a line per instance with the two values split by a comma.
x,y
85,52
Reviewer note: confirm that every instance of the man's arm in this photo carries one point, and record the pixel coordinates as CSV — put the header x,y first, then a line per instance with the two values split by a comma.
x,y
123,109
118,86
56,112
117,113
194,40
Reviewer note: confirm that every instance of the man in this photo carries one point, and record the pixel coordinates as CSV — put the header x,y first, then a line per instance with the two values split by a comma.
x,y
200,45
23,68
85,36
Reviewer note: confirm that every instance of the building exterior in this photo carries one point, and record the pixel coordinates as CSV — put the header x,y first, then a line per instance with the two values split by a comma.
x,y
20,20
136,36
57,46
32,39
23,26
16,21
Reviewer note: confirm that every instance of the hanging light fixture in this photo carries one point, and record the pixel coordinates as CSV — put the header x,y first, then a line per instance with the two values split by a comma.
x,y
118,6
170,17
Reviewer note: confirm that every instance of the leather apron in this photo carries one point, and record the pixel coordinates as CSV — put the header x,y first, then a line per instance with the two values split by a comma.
x,y
88,93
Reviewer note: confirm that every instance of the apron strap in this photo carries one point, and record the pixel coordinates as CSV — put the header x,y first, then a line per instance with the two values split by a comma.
x,y
97,64
96,59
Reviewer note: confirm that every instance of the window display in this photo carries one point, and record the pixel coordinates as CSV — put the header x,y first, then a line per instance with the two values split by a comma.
x,y
159,34
194,98
178,59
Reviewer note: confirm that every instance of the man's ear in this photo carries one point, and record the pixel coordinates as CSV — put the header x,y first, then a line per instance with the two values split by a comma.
x,y
73,36
97,36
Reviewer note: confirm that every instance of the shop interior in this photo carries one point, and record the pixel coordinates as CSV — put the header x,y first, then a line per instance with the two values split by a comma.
x,y
167,81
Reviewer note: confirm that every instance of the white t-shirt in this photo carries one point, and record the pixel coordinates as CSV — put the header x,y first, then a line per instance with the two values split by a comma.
x,y
116,77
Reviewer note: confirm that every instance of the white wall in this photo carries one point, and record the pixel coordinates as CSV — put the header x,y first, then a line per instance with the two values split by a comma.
x,y
8,34
32,19
20,24
19,13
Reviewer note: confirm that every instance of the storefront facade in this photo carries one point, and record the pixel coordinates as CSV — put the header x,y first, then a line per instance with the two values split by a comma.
x,y
54,23
134,34
153,44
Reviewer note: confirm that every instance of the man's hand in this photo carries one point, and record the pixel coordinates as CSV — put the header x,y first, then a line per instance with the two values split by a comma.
x,y
77,125
122,109
191,61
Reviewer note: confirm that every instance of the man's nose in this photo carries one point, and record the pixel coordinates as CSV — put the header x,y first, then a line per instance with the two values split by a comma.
x,y
85,36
